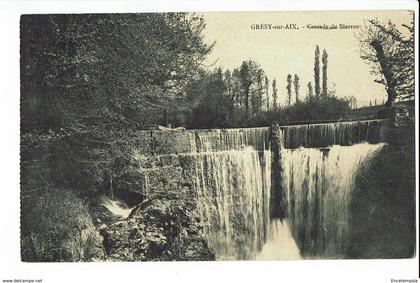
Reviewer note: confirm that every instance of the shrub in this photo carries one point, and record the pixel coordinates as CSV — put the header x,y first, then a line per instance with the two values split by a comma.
x,y
56,226
325,108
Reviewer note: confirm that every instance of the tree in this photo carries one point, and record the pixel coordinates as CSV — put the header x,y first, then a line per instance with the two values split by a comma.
x,y
310,90
245,91
246,81
390,52
316,72
230,89
249,73
237,89
213,106
274,87
72,61
267,95
289,90
324,73
296,86
257,93
89,81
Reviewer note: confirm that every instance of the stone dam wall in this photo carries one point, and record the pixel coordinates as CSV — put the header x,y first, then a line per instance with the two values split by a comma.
x,y
161,156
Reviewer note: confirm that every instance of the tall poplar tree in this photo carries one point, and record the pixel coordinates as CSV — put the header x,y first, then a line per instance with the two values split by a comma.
x,y
324,73
316,72
289,89
275,94
267,95
310,90
297,86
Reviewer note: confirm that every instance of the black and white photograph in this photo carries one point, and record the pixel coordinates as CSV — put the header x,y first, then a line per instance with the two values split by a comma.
x,y
256,136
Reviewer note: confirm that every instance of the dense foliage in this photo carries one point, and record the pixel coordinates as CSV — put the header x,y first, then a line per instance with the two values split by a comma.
x,y
56,226
89,81
86,72
244,97
219,100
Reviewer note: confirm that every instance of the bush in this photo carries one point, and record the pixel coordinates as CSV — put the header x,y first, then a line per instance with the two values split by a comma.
x,y
212,112
56,226
312,109
324,108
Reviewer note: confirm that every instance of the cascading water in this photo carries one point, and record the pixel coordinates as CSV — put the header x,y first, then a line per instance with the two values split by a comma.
x,y
231,139
318,186
116,207
280,243
341,133
278,195
233,193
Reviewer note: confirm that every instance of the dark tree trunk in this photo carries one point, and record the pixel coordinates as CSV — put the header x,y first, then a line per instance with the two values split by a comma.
x,y
111,189
247,87
387,72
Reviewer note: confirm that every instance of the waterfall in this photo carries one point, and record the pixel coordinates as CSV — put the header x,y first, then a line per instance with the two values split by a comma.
x,y
231,139
279,193
318,186
232,180
340,133
116,207
280,243
233,190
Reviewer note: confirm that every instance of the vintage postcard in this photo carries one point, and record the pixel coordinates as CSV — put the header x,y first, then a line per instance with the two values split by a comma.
x,y
284,139
217,136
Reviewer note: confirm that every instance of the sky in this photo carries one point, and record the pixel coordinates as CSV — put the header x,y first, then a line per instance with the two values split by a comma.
x,y
284,51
